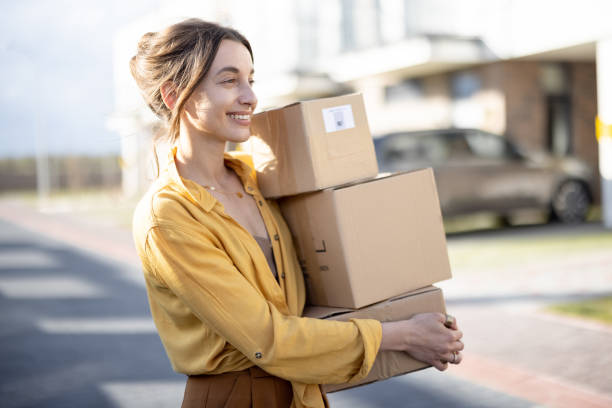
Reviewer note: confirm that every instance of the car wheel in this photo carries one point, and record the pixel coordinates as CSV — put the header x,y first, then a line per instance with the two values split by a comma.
x,y
571,202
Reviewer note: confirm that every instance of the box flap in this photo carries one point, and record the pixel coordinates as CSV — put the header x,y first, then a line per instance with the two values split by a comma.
x,y
304,101
325,312
380,176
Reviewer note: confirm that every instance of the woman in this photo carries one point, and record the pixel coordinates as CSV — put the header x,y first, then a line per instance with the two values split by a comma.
x,y
227,299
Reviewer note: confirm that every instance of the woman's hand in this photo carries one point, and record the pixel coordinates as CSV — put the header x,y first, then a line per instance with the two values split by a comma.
x,y
426,338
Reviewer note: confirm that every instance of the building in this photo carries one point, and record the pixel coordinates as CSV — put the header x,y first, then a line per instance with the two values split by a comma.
x,y
524,69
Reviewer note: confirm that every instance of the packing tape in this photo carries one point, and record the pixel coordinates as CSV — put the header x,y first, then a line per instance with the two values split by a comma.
x,y
602,130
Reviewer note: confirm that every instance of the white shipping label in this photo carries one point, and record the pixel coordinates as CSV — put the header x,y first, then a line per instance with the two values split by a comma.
x,y
338,118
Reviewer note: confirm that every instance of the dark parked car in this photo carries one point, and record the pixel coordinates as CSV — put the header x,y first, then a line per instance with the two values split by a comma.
x,y
477,171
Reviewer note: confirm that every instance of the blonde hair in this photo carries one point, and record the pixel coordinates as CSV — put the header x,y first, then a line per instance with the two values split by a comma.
x,y
181,54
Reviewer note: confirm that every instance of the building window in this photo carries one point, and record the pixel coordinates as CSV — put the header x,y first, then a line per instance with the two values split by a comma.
x,y
308,25
391,20
464,85
360,24
555,82
409,88
559,125
348,25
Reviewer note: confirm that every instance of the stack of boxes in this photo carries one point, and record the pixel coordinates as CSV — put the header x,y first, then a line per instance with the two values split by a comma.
x,y
370,246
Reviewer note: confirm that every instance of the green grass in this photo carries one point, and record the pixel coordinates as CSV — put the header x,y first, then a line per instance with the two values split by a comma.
x,y
599,309
488,221
482,253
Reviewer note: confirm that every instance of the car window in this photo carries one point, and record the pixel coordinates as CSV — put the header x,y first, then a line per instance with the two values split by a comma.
x,y
488,146
436,149
411,148
458,148
402,148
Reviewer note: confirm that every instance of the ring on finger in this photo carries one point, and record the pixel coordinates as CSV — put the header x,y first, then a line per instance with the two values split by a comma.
x,y
448,320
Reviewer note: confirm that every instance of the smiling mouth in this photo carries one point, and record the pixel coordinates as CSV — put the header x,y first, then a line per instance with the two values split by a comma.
x,y
239,117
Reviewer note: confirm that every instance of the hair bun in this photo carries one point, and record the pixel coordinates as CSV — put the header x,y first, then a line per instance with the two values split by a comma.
x,y
144,44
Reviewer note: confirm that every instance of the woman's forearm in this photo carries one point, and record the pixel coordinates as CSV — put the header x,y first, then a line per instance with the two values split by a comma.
x,y
393,336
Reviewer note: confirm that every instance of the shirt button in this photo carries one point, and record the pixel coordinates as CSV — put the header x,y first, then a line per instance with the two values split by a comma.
x,y
276,237
258,355
260,202
283,275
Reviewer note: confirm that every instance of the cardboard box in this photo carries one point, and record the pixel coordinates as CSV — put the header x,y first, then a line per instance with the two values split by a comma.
x,y
388,363
311,145
363,243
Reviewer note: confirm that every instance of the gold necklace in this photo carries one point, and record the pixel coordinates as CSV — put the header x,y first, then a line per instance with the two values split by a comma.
x,y
213,188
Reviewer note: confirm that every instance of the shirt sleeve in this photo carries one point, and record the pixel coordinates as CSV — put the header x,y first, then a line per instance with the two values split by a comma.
x,y
191,263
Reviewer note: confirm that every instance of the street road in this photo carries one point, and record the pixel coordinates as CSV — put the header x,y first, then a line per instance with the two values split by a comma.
x,y
75,329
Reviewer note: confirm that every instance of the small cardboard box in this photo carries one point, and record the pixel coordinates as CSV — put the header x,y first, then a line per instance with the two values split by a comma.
x,y
388,363
311,145
362,243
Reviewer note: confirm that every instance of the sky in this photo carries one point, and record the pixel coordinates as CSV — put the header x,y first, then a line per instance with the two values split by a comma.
x,y
56,74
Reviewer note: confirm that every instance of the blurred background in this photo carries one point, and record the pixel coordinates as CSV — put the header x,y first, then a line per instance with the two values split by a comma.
x,y
73,119
509,100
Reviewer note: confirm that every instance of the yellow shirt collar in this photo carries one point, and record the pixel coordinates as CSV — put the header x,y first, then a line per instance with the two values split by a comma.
x,y
198,194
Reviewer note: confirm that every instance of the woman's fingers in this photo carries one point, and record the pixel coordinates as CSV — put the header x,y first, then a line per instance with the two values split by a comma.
x,y
440,365
457,346
450,322
457,334
433,338
453,358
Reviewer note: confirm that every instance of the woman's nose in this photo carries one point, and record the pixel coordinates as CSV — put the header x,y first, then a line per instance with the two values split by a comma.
x,y
248,97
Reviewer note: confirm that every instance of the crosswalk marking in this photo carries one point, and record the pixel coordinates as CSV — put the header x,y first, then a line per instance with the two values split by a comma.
x,y
27,258
43,287
90,325
149,394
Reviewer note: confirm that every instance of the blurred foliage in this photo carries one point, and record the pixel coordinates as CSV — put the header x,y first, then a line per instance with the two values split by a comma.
x,y
64,172
599,309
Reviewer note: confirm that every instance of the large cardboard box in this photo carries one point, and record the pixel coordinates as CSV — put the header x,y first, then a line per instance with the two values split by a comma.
x,y
387,363
362,243
311,145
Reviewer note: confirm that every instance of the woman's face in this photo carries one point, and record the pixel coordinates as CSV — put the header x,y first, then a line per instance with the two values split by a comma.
x,y
222,104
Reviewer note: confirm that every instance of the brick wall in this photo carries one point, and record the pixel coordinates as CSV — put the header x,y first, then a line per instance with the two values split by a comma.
x,y
525,104
584,109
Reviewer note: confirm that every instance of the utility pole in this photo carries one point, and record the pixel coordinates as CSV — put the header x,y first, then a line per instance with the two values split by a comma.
x,y
43,177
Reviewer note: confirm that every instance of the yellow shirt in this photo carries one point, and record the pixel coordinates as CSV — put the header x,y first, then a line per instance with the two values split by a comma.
x,y
217,305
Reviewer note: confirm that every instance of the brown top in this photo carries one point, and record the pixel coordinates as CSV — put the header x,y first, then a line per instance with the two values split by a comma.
x,y
266,246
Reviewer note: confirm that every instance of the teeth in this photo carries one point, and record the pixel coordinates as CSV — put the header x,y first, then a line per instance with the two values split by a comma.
x,y
240,117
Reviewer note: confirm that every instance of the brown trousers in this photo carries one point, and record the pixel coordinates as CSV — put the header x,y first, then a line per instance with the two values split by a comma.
x,y
250,388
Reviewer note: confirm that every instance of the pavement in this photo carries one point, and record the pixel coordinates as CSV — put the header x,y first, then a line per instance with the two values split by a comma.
x,y
512,343
75,329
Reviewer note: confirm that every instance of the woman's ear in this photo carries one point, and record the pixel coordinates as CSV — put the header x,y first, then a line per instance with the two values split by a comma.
x,y
169,94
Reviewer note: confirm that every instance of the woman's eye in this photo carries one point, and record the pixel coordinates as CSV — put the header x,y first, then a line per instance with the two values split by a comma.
x,y
228,81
